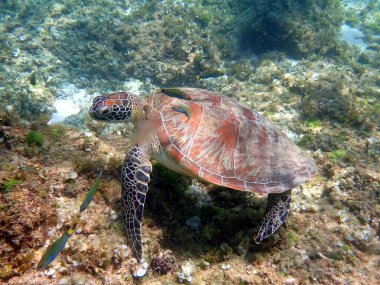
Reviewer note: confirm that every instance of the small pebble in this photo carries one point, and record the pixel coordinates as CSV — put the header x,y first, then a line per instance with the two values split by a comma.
x,y
225,266
250,270
72,176
125,252
290,280
114,216
182,277
187,268
87,148
50,272
185,275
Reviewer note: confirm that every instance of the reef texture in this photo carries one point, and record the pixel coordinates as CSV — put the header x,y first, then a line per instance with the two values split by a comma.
x,y
322,92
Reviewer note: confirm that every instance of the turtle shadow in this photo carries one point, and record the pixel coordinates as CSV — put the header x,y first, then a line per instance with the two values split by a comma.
x,y
223,225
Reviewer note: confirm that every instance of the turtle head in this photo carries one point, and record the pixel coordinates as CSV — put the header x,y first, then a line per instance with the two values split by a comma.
x,y
117,107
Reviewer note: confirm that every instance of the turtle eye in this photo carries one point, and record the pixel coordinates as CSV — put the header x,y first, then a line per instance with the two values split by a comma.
x,y
105,112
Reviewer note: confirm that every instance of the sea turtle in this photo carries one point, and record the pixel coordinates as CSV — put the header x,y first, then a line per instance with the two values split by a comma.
x,y
208,136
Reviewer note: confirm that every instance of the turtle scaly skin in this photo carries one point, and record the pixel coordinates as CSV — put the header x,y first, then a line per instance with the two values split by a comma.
x,y
276,213
135,176
208,136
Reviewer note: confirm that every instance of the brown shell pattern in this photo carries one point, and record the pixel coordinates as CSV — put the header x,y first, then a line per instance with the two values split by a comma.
x,y
227,144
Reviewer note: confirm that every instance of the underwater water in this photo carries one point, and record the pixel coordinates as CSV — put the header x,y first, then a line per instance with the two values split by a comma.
x,y
311,67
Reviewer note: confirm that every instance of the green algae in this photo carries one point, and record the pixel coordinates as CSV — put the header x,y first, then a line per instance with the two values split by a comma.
x,y
336,256
56,131
342,137
305,141
316,123
242,281
337,154
292,238
8,186
117,227
346,248
34,138
204,18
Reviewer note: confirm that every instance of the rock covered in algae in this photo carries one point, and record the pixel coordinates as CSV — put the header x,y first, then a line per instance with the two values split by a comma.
x,y
329,95
297,27
25,209
163,263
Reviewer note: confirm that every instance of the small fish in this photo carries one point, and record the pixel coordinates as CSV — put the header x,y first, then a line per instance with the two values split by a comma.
x,y
209,73
54,249
175,92
90,194
182,109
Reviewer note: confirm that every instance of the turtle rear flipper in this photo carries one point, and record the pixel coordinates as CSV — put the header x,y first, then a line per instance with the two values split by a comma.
x,y
135,177
276,213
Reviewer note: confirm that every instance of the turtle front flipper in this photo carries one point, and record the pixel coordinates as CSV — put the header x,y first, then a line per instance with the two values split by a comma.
x,y
276,213
135,176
